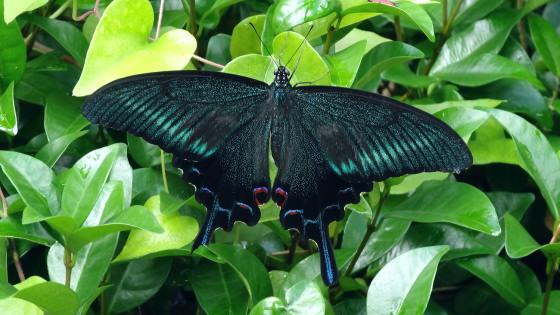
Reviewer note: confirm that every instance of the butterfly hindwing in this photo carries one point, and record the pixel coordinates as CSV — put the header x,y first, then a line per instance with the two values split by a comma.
x,y
369,137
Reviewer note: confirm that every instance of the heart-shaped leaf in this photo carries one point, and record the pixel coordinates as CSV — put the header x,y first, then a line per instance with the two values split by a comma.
x,y
120,46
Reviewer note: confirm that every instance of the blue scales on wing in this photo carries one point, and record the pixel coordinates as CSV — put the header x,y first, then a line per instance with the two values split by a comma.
x,y
368,137
215,125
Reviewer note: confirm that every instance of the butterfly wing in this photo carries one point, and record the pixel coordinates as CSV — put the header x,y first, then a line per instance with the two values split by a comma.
x,y
365,136
215,125
333,142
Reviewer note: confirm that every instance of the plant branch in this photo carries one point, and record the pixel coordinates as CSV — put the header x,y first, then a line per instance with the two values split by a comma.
x,y
163,174
208,62
371,228
443,38
293,246
398,29
551,273
68,264
13,248
191,25
521,27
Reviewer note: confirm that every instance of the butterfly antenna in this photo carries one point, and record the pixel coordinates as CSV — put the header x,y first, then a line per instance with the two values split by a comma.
x,y
262,42
300,54
311,82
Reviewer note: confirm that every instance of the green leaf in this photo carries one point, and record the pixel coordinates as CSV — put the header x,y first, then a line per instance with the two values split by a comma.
x,y
179,231
402,74
476,70
144,153
14,8
67,35
535,307
170,203
248,267
547,42
383,57
456,203
537,156
499,275
33,181
491,145
216,52
50,297
386,236
8,118
405,283
244,41
213,282
406,9
437,107
290,13
305,297
519,243
51,152
131,53
35,87
11,226
12,53
344,64
311,66
136,282
473,10
485,36
50,61
309,268
85,180
216,6
92,262
63,116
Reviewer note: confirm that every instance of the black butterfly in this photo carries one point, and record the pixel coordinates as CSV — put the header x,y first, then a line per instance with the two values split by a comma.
x,y
329,144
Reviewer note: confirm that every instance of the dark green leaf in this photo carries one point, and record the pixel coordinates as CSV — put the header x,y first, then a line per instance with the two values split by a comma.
x,y
8,118
12,53
498,274
547,42
63,116
535,307
51,152
135,282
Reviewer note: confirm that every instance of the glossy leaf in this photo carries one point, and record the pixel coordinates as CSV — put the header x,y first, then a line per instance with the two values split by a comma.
x,y
63,116
305,297
498,274
519,243
383,57
36,87
12,54
216,5
85,180
547,42
485,36
476,70
492,146
135,282
50,297
405,283
244,41
33,181
51,152
14,8
536,154
67,35
8,118
11,226
127,39
179,231
343,65
216,52
143,153
402,74
406,9
213,282
290,13
248,267
456,203
92,262
535,307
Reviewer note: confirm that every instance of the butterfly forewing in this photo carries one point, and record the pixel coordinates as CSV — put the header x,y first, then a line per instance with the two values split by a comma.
x,y
366,136
217,127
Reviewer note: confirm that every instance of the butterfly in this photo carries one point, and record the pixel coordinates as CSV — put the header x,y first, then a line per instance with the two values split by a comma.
x,y
329,143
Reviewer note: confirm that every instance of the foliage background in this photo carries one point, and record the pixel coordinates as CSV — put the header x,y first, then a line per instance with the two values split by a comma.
x,y
96,221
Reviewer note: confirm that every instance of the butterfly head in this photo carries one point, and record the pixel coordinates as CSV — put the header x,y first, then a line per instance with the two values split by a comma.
x,y
281,77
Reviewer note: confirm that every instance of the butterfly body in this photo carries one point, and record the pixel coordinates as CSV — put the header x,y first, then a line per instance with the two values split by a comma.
x,y
329,144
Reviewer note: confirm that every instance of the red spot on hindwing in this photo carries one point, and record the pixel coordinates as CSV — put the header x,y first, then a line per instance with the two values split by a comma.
x,y
260,195
280,197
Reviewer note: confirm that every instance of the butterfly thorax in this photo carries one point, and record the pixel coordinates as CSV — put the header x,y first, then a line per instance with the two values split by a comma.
x,y
281,88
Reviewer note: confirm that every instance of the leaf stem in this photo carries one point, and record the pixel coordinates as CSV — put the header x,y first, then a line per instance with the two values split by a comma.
x,y
443,12
13,248
206,61
60,10
292,251
163,174
398,29
553,97
551,273
371,228
330,36
443,38
68,264
191,25
521,27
